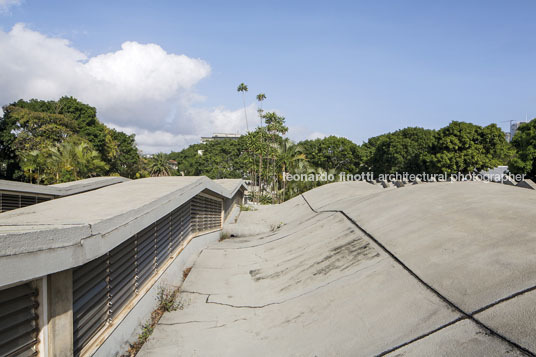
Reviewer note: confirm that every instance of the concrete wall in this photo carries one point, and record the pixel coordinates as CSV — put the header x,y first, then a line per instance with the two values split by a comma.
x,y
60,312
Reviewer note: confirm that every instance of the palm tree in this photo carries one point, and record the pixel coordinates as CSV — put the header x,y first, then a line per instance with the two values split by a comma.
x,y
243,89
77,158
292,159
260,98
30,163
159,165
88,161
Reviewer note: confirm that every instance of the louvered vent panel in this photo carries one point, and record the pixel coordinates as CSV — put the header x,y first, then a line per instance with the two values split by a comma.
x,y
122,275
145,255
206,213
10,202
180,225
42,199
19,325
26,201
90,300
162,241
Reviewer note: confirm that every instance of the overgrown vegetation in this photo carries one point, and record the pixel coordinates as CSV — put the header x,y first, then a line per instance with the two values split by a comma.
x,y
166,298
224,236
246,208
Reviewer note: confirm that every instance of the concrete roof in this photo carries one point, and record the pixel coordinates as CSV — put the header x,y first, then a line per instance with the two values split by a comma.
x,y
69,231
231,185
352,270
62,189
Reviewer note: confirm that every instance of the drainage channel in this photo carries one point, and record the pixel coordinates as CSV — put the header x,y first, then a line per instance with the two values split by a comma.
x,y
464,314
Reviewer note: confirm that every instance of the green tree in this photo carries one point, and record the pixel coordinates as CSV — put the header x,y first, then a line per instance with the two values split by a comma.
x,y
30,163
275,126
125,160
524,142
291,159
333,153
72,159
404,150
260,98
159,165
466,148
38,125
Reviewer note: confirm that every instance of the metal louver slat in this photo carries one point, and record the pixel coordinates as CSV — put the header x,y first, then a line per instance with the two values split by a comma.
x,y
90,300
18,321
26,201
40,199
10,202
122,275
162,239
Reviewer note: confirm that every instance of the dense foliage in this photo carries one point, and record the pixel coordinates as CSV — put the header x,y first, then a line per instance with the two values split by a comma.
x,y
58,141
524,143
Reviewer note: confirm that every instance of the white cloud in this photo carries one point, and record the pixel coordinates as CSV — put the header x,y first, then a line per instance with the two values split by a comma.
x,y
316,135
139,87
299,133
6,4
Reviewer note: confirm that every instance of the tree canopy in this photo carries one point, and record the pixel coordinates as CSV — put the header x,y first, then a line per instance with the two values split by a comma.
x,y
524,143
31,130
57,141
465,147
333,153
405,150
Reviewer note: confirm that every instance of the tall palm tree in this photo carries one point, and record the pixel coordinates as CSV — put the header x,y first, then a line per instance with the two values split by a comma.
x,y
242,88
260,98
159,165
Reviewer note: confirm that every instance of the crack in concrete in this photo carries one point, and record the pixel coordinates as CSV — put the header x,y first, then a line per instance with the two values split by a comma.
x,y
506,298
431,332
465,315
184,322
232,322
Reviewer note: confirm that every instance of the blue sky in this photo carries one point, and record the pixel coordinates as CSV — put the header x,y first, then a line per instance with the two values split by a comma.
x,y
355,69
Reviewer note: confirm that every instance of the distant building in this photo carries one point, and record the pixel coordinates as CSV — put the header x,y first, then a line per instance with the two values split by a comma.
x,y
173,164
219,136
514,127
495,174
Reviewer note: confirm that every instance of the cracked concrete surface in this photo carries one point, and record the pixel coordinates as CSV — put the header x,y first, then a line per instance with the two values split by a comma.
x,y
302,283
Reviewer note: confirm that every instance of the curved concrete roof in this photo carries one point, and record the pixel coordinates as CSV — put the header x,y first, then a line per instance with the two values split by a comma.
x,y
353,270
69,231
62,189
231,185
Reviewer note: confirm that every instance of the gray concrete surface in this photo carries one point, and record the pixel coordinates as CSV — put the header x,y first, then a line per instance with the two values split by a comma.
x,y
62,189
231,185
63,233
453,276
60,312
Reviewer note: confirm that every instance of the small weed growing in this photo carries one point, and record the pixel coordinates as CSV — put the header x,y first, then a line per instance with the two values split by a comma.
x,y
166,303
